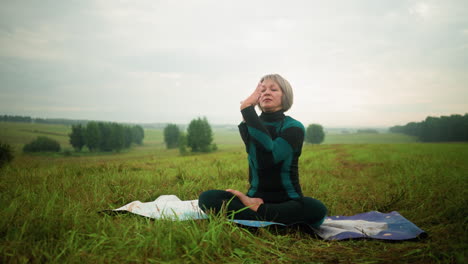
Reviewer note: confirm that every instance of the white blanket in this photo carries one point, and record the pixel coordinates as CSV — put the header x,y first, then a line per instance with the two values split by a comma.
x,y
166,207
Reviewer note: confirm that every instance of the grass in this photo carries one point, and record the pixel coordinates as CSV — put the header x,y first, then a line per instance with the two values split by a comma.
x,y
50,203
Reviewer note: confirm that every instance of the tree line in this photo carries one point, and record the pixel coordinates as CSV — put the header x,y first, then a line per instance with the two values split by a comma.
x,y
437,129
367,131
105,136
20,119
199,136
28,119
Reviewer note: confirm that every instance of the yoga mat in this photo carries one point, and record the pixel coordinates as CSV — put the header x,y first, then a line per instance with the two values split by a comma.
x,y
372,225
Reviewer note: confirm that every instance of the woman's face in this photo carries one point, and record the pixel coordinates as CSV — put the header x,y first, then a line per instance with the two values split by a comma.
x,y
270,98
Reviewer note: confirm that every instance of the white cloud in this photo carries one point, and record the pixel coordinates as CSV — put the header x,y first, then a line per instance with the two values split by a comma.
x,y
422,9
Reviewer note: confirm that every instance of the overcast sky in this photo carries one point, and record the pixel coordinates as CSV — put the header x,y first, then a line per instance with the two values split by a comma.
x,y
351,63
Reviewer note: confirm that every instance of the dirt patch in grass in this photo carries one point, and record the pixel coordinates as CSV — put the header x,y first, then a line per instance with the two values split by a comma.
x,y
346,166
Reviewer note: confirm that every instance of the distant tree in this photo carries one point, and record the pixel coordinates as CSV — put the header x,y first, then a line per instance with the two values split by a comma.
x,y
117,137
182,143
105,136
414,129
138,134
199,135
77,137
42,144
6,154
171,136
315,134
460,127
397,129
127,136
92,136
105,131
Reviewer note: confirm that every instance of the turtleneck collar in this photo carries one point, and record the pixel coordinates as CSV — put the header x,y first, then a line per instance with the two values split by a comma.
x,y
273,116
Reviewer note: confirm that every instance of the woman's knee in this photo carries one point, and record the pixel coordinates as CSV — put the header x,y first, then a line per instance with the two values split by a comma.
x,y
212,200
315,210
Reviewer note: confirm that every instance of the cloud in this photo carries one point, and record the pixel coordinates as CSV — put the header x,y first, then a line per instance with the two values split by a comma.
x,y
422,10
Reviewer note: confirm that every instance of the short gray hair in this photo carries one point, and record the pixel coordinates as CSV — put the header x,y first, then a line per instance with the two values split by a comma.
x,y
287,98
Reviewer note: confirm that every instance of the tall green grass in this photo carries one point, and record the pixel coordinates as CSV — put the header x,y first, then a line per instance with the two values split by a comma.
x,y
50,204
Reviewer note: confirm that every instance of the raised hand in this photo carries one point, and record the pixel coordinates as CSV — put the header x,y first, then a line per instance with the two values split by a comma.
x,y
253,98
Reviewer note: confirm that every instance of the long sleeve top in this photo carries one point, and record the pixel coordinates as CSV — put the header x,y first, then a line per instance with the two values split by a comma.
x,y
273,142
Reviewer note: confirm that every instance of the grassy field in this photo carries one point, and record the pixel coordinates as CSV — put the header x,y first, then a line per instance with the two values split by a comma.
x,y
50,202
368,138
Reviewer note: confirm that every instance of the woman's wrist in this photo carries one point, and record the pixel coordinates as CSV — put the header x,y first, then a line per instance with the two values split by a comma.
x,y
245,105
251,100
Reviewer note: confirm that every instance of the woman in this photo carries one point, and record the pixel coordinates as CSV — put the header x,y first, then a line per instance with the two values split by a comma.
x,y
273,142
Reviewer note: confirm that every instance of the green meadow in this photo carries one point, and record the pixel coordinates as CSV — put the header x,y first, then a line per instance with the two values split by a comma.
x,y
50,202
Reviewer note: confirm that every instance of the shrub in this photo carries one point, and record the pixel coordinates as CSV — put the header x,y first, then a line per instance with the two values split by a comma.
x,y
6,154
41,144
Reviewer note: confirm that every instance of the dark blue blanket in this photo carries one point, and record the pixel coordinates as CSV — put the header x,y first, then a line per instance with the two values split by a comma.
x,y
376,225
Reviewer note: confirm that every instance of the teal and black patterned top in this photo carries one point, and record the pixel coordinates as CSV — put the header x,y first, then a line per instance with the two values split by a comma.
x,y
273,142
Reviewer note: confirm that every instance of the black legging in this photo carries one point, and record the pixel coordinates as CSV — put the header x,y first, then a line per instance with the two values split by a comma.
x,y
307,210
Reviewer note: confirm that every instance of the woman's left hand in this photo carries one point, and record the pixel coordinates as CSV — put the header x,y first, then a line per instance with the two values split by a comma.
x,y
252,203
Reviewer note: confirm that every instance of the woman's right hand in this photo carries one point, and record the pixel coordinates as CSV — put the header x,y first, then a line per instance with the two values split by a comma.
x,y
253,98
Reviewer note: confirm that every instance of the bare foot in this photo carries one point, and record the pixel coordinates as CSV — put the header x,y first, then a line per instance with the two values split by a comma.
x,y
252,203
